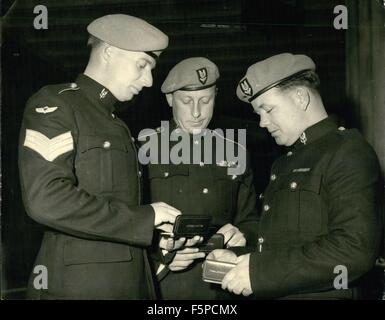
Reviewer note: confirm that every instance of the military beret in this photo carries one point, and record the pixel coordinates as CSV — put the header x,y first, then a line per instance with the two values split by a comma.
x,y
191,74
128,33
270,72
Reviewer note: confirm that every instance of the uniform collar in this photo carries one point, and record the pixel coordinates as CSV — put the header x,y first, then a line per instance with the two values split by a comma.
x,y
96,92
174,126
315,132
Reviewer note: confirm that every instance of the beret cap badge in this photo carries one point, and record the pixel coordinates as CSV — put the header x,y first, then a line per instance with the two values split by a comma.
x,y
246,87
202,75
191,74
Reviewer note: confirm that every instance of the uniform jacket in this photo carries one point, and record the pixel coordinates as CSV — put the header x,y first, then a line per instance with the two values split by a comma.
x,y
201,189
80,178
320,211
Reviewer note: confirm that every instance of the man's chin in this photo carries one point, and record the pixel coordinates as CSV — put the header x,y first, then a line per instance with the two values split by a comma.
x,y
128,97
196,130
284,143
279,141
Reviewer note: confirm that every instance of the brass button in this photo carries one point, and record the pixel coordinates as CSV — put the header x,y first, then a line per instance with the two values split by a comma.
x,y
106,144
261,196
290,153
205,190
293,185
273,177
132,139
73,85
140,174
234,176
266,207
201,164
166,174
260,241
113,116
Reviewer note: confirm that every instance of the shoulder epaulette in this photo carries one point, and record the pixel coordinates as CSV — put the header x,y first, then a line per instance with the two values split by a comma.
x,y
72,86
148,132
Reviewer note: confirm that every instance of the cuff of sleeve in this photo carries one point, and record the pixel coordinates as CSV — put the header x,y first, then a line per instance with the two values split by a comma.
x,y
239,251
267,274
160,268
380,262
168,257
162,272
144,229
253,271
248,230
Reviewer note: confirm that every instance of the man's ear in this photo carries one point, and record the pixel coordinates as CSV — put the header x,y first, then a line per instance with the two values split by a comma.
x,y
302,97
107,52
170,98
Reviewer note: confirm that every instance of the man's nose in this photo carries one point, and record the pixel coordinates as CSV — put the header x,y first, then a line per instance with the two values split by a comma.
x,y
147,79
196,110
263,122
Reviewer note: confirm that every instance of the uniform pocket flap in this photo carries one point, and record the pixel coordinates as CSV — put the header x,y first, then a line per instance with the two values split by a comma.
x,y
105,142
78,251
298,181
310,182
166,170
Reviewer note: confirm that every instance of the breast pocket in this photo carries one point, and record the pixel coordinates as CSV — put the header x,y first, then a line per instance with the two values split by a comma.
x,y
104,163
311,210
166,182
226,191
297,202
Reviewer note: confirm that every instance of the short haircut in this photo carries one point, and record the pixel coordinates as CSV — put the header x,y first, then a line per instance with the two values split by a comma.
x,y
308,79
94,42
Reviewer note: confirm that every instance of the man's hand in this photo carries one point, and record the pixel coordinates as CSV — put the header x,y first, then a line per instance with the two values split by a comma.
x,y
184,258
170,244
164,216
237,280
223,255
233,237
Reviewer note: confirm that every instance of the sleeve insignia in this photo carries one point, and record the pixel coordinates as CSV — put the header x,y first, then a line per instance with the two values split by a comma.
x,y
49,149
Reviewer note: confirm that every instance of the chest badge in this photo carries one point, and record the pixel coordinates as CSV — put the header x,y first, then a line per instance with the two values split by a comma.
x,y
46,109
301,170
222,163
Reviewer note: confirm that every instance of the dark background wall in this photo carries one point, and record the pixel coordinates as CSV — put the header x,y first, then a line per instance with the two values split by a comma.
x,y
233,34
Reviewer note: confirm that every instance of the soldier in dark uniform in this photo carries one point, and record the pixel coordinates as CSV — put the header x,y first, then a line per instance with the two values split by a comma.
x,y
80,176
319,228
203,188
